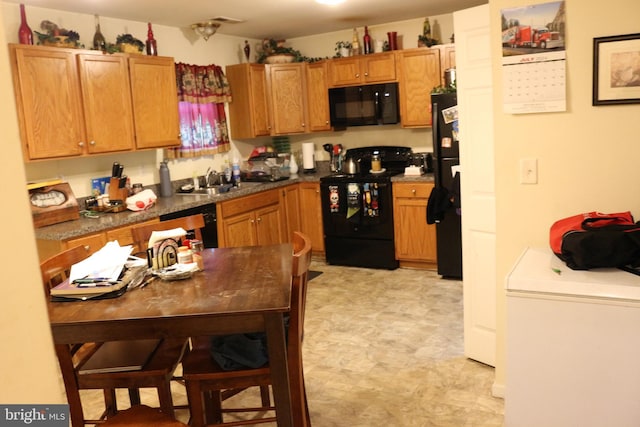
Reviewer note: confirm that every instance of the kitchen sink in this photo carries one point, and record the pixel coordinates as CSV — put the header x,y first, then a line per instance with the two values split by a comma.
x,y
217,189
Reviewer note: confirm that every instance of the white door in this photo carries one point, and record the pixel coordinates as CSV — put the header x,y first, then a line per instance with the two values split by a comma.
x,y
475,109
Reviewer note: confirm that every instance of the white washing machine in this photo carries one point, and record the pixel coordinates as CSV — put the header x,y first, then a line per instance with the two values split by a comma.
x,y
573,345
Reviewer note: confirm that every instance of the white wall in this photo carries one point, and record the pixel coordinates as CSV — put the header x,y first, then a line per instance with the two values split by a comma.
x,y
221,50
587,156
29,369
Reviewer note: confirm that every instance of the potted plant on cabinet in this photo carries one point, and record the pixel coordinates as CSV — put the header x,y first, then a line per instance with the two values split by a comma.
x,y
343,49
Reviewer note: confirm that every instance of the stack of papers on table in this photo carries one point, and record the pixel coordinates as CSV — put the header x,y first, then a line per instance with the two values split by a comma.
x,y
99,274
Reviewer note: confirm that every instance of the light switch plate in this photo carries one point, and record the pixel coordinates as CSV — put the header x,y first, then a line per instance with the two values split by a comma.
x,y
528,171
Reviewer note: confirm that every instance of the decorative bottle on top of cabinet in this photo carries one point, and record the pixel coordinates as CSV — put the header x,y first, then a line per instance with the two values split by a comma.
x,y
152,45
25,36
99,43
366,42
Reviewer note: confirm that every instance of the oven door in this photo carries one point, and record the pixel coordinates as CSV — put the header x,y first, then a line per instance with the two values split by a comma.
x,y
360,210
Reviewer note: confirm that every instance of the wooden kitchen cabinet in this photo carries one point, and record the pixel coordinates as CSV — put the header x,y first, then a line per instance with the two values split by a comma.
x,y
290,202
311,215
73,103
249,108
415,240
286,85
251,220
93,241
418,73
318,97
155,101
362,69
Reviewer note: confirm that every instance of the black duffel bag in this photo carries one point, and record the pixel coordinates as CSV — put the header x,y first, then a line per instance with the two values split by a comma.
x,y
595,240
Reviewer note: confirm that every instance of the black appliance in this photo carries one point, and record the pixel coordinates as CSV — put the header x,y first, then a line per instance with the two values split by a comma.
x,y
447,184
210,229
357,210
364,105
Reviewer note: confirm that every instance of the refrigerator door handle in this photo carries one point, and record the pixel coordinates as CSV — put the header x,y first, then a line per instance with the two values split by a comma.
x,y
434,126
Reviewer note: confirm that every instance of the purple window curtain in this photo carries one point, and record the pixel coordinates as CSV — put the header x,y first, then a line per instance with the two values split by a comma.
x,y
202,92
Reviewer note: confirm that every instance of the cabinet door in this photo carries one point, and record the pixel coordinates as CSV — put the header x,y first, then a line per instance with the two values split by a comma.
x,y
49,104
269,225
239,230
318,97
290,201
107,102
379,68
419,73
415,240
287,87
447,58
344,72
155,101
249,108
311,214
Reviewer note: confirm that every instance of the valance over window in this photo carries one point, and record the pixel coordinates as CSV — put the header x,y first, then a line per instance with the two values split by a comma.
x,y
202,92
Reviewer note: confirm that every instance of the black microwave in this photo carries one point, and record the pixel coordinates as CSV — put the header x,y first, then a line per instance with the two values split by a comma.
x,y
364,105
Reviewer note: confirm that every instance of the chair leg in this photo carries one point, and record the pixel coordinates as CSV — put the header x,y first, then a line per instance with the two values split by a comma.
x,y
264,396
213,406
165,398
195,397
110,403
134,396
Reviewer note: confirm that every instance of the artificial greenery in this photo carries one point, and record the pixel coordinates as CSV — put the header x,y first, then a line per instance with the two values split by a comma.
x,y
129,39
271,48
444,89
55,34
341,45
427,41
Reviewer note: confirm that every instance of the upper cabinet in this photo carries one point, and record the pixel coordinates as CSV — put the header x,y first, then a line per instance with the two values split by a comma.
x,y
287,90
317,97
362,69
73,103
155,101
418,73
249,108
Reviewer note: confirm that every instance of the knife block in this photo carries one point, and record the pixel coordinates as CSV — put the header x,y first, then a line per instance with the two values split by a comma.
x,y
116,193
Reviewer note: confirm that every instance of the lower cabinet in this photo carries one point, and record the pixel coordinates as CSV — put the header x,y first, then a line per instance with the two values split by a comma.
x,y
92,242
251,220
415,240
311,215
290,202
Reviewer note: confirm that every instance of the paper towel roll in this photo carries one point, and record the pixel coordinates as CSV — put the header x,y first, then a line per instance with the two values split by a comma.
x,y
308,156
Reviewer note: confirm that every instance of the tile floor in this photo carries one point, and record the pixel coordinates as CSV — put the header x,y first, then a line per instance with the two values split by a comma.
x,y
382,348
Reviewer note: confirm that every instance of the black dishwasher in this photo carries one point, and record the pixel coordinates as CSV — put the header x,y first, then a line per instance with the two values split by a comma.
x,y
210,230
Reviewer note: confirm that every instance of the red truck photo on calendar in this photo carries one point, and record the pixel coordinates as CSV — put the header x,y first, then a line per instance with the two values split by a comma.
x,y
533,29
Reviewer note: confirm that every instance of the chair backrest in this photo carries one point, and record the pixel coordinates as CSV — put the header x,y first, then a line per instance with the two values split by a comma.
x,y
141,233
299,279
55,269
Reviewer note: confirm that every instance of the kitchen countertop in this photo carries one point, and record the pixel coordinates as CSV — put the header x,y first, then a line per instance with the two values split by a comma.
x,y
165,205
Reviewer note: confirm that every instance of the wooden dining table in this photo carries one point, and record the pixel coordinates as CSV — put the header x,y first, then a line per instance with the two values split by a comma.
x,y
244,289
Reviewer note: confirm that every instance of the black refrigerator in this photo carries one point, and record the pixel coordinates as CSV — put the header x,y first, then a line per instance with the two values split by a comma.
x,y
447,217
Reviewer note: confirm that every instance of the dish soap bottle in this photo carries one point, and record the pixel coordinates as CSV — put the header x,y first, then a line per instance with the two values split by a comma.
x,y
293,165
165,181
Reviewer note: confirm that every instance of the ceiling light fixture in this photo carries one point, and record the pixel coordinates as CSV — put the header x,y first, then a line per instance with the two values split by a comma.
x,y
330,2
205,29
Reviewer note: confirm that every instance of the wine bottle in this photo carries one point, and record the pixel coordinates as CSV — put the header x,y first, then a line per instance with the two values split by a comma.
x,y
426,31
25,36
355,44
152,47
99,43
366,42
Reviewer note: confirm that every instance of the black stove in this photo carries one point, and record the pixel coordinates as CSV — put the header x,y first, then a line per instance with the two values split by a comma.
x,y
357,210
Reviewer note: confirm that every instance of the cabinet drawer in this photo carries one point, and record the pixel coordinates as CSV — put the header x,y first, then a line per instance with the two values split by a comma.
x,y
123,234
249,203
421,190
92,242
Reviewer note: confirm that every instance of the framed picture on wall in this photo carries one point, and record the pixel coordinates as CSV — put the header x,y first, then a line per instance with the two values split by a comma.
x,y
616,70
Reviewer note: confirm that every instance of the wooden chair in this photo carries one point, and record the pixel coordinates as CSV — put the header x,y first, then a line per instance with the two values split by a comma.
x,y
156,373
141,233
208,384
